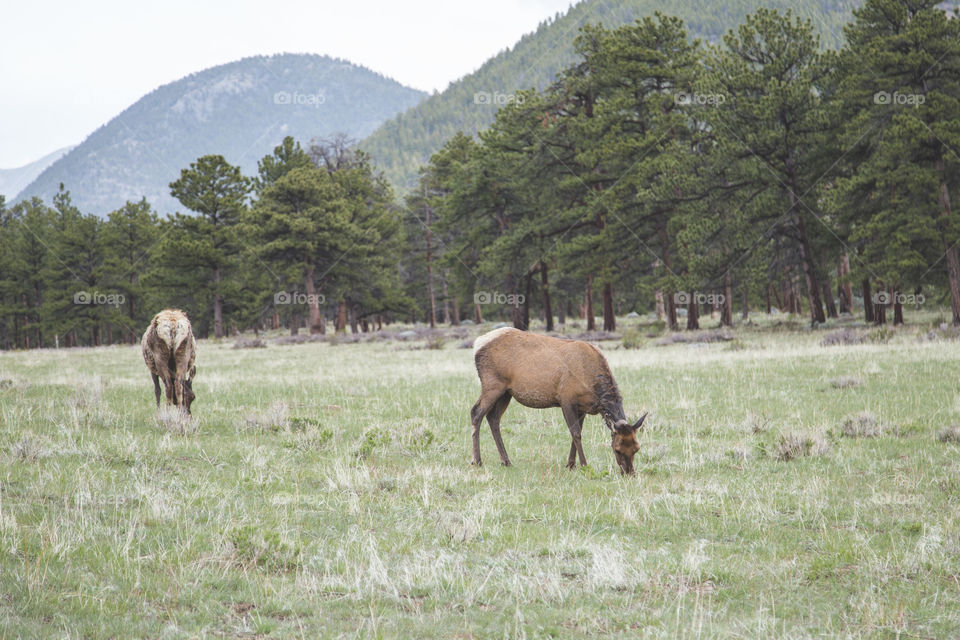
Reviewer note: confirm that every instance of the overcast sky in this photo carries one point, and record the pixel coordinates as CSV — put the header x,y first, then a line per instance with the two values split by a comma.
x,y
67,67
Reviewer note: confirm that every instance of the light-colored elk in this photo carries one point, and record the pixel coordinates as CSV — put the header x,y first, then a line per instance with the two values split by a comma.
x,y
169,349
542,372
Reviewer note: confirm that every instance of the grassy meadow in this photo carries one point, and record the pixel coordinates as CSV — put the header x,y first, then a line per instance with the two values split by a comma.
x,y
784,489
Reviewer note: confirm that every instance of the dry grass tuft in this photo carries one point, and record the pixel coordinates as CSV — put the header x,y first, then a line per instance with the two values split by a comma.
x,y
862,425
27,449
175,420
756,424
791,446
249,343
275,418
694,337
843,337
846,382
950,434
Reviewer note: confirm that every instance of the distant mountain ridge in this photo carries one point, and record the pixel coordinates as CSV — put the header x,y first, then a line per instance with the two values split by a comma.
x,y
404,143
240,110
12,181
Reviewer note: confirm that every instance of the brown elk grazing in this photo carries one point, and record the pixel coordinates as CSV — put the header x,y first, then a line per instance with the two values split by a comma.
x,y
170,350
542,372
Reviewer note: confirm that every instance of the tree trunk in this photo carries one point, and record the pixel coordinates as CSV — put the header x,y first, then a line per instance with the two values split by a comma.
x,y
545,285
671,310
693,314
671,306
217,306
561,314
769,286
744,299
588,305
776,294
880,313
846,298
354,319
867,301
609,318
524,309
446,302
477,314
658,297
432,313
828,297
953,277
897,306
294,324
340,325
806,255
313,303
798,296
951,250
726,308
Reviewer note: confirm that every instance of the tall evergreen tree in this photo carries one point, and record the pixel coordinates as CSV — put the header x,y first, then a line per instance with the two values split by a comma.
x,y
129,241
900,104
200,253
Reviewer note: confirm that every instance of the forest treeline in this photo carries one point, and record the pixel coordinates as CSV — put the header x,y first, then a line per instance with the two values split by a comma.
x,y
402,144
759,172
657,174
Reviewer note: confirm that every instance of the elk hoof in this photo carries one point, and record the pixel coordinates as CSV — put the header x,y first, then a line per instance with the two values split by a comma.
x,y
506,463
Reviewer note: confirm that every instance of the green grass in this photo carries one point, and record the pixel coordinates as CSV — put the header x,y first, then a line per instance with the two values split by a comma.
x,y
326,491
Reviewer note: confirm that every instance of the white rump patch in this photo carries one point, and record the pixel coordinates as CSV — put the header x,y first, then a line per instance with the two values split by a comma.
x,y
489,337
173,329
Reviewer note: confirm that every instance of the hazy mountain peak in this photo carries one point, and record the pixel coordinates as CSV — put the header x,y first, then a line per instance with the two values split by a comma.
x,y
240,110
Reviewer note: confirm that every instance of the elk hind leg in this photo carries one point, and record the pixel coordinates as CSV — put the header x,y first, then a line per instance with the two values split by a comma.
x,y
493,419
156,387
488,397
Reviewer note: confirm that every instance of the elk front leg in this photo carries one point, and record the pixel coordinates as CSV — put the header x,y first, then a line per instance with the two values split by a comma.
x,y
574,421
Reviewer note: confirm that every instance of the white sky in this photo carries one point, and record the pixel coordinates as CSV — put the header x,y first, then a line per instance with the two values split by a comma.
x,y
67,67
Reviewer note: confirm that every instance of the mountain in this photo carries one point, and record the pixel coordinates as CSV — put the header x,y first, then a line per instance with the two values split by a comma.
x,y
404,143
240,110
12,181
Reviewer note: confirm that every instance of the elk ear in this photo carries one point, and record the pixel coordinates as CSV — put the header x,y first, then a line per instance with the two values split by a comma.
x,y
639,422
612,428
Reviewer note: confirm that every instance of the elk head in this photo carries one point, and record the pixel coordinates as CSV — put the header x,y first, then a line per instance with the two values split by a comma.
x,y
625,443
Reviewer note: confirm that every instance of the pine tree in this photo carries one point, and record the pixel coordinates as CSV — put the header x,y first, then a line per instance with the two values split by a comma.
x,y
900,104
201,253
301,225
129,238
